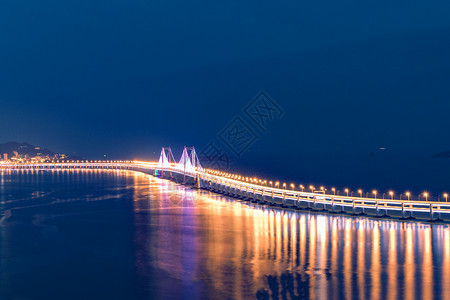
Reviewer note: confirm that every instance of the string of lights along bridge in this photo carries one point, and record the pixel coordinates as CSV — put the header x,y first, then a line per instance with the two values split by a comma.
x,y
188,170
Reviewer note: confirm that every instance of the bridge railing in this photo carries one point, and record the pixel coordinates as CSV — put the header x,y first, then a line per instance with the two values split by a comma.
x,y
326,199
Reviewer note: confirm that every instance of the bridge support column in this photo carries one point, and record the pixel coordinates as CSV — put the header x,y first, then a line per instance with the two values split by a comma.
x,y
404,217
403,212
308,205
432,219
385,211
431,213
362,213
353,207
198,181
376,207
342,208
298,202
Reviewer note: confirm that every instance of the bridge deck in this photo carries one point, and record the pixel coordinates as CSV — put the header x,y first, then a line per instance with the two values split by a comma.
x,y
431,210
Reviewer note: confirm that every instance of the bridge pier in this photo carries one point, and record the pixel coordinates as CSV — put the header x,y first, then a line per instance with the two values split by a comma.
x,y
308,204
198,183
438,219
403,217
254,199
354,208
226,189
314,203
377,210
272,199
377,207
284,200
299,203
239,192
333,206
272,202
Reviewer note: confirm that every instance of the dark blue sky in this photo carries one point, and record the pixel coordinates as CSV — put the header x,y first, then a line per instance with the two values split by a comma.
x,y
123,78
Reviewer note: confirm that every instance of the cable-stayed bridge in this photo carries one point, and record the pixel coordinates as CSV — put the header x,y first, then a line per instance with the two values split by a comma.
x,y
188,170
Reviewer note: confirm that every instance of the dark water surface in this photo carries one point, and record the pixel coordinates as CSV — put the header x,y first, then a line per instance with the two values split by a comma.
x,y
125,235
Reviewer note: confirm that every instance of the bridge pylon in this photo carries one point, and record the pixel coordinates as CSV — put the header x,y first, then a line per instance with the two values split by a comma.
x,y
166,159
189,162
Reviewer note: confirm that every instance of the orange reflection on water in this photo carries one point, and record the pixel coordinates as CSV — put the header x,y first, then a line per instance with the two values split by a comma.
x,y
245,250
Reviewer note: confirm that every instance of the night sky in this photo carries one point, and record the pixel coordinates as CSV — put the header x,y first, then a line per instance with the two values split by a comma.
x,y
123,78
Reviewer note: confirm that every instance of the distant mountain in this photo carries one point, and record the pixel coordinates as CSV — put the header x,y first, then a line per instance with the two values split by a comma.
x,y
444,154
23,149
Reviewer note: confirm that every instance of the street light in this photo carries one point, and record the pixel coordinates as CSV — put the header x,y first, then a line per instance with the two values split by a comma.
x,y
408,194
360,192
284,185
322,189
392,195
302,187
334,190
271,183
426,196
375,193
311,188
292,186
445,196
277,184
346,190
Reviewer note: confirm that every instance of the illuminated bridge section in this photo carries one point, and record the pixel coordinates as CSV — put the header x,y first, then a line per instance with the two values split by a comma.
x,y
188,170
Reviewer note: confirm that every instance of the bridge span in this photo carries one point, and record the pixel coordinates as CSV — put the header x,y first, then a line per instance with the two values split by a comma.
x,y
188,170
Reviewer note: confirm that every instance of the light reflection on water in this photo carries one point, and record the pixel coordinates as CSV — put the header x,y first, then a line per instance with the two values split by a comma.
x,y
246,250
191,242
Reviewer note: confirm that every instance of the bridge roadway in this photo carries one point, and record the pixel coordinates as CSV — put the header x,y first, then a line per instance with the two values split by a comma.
x,y
272,196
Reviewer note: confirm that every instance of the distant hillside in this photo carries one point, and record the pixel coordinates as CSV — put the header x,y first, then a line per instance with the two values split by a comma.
x,y
23,149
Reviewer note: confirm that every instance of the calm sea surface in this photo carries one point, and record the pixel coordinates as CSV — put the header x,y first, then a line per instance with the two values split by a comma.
x,y
125,235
